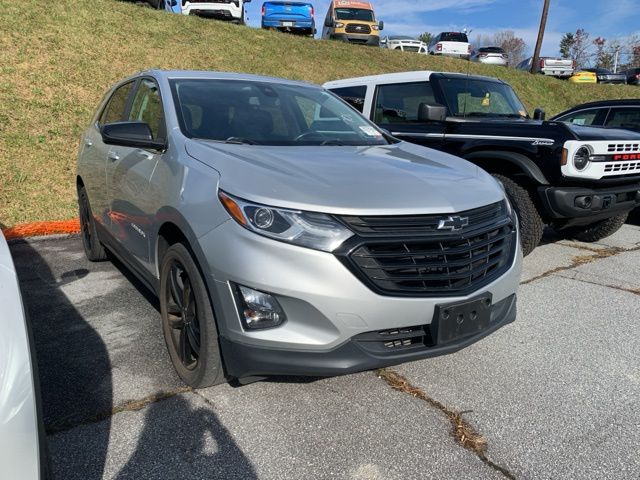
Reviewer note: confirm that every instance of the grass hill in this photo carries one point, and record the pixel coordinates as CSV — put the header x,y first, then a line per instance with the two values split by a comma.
x,y
58,58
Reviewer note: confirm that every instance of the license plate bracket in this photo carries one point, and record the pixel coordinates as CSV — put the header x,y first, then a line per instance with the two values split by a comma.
x,y
287,24
458,320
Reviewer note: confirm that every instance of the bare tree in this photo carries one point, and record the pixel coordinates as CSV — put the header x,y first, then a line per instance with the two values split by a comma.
x,y
513,46
576,46
604,53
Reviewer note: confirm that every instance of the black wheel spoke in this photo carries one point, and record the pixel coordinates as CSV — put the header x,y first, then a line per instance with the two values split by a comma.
x,y
184,348
194,340
187,299
176,292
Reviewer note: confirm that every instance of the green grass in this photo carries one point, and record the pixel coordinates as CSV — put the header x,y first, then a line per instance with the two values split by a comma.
x,y
58,58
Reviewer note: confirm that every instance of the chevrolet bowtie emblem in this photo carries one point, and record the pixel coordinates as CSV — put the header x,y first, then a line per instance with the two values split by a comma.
x,y
453,223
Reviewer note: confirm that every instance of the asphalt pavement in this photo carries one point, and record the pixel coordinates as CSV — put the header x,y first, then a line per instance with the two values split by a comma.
x,y
555,394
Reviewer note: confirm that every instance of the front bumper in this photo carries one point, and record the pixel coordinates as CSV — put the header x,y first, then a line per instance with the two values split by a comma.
x,y
563,202
352,356
327,307
370,40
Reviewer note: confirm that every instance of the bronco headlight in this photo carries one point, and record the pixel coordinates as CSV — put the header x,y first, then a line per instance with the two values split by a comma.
x,y
306,229
581,157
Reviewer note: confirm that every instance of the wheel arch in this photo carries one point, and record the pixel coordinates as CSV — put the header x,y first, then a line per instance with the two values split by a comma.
x,y
497,161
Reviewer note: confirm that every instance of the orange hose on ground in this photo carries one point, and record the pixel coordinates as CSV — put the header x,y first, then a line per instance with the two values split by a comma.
x,y
42,228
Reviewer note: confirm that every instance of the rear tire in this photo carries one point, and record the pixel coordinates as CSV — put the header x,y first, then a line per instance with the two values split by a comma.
x,y
93,248
188,321
529,219
596,231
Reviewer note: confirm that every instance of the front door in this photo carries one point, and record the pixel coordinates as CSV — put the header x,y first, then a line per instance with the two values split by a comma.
x,y
395,108
129,171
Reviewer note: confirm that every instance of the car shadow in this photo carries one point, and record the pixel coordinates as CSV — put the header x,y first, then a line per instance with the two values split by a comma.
x,y
184,440
73,362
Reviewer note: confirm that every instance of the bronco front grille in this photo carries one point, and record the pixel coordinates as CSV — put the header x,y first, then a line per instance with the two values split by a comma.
x,y
623,147
622,167
430,263
358,28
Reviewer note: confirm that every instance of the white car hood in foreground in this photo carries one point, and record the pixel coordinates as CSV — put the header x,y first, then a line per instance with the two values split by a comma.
x,y
398,179
19,457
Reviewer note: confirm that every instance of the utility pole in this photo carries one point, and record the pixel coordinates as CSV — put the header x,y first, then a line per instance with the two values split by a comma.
x,y
543,24
615,61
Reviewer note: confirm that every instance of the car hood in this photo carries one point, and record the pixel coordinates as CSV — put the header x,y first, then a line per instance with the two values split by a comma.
x,y
391,179
601,133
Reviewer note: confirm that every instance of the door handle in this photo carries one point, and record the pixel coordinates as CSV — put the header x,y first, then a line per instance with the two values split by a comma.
x,y
88,142
113,156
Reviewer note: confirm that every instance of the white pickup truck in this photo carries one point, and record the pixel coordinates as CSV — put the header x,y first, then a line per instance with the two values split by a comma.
x,y
232,10
555,67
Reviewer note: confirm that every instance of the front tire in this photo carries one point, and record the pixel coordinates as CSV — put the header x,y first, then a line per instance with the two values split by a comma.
x,y
529,219
188,321
598,230
93,249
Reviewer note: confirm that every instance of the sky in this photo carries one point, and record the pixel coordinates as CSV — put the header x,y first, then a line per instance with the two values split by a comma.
x,y
605,18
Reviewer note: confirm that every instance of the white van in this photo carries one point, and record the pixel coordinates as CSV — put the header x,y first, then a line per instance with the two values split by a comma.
x,y
452,44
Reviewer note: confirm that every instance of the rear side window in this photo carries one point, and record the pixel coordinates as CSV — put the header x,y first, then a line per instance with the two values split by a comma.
x,y
147,107
628,118
399,103
354,96
115,109
454,37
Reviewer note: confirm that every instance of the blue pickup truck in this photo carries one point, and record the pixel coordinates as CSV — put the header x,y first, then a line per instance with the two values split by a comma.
x,y
292,17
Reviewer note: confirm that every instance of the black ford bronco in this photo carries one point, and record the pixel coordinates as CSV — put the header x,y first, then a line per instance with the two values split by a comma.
x,y
583,181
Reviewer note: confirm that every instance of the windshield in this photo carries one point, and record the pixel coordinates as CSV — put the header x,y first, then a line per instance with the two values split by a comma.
x,y
473,97
355,14
259,113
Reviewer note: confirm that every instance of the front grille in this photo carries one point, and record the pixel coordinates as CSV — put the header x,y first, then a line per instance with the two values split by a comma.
x,y
427,262
411,49
358,28
623,147
404,225
622,167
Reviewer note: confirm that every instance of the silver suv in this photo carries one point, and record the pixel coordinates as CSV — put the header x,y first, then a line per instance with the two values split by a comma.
x,y
286,234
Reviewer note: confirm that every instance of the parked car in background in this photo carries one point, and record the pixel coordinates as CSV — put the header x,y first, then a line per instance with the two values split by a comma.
x,y
23,452
583,77
607,76
555,67
242,201
451,44
405,44
291,17
231,10
352,21
606,113
568,176
490,56
633,76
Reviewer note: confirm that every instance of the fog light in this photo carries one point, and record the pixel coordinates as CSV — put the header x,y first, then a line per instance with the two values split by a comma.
x,y
259,310
584,202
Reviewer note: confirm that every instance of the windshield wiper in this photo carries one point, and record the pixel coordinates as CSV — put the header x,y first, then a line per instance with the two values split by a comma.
x,y
333,142
240,141
490,114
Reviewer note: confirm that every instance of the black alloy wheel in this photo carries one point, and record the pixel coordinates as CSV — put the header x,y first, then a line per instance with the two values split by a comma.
x,y
93,248
182,315
188,321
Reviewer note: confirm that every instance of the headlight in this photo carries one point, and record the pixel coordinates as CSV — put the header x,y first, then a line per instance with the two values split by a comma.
x,y
507,202
581,157
339,25
307,229
375,27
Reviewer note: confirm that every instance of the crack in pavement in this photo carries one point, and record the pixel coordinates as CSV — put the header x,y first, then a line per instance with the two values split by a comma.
x,y
635,291
464,434
128,406
599,254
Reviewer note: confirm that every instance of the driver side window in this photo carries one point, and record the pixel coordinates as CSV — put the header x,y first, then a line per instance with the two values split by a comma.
x,y
147,107
399,103
115,108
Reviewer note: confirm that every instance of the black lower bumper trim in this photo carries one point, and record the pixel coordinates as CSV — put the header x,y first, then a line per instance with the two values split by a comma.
x,y
569,202
243,360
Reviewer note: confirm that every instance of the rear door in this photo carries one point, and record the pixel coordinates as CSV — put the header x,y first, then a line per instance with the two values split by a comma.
x,y
395,108
129,172
624,117
95,152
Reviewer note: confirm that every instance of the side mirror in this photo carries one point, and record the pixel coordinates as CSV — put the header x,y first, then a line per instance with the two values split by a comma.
x,y
381,25
431,113
130,134
539,114
173,3
328,22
